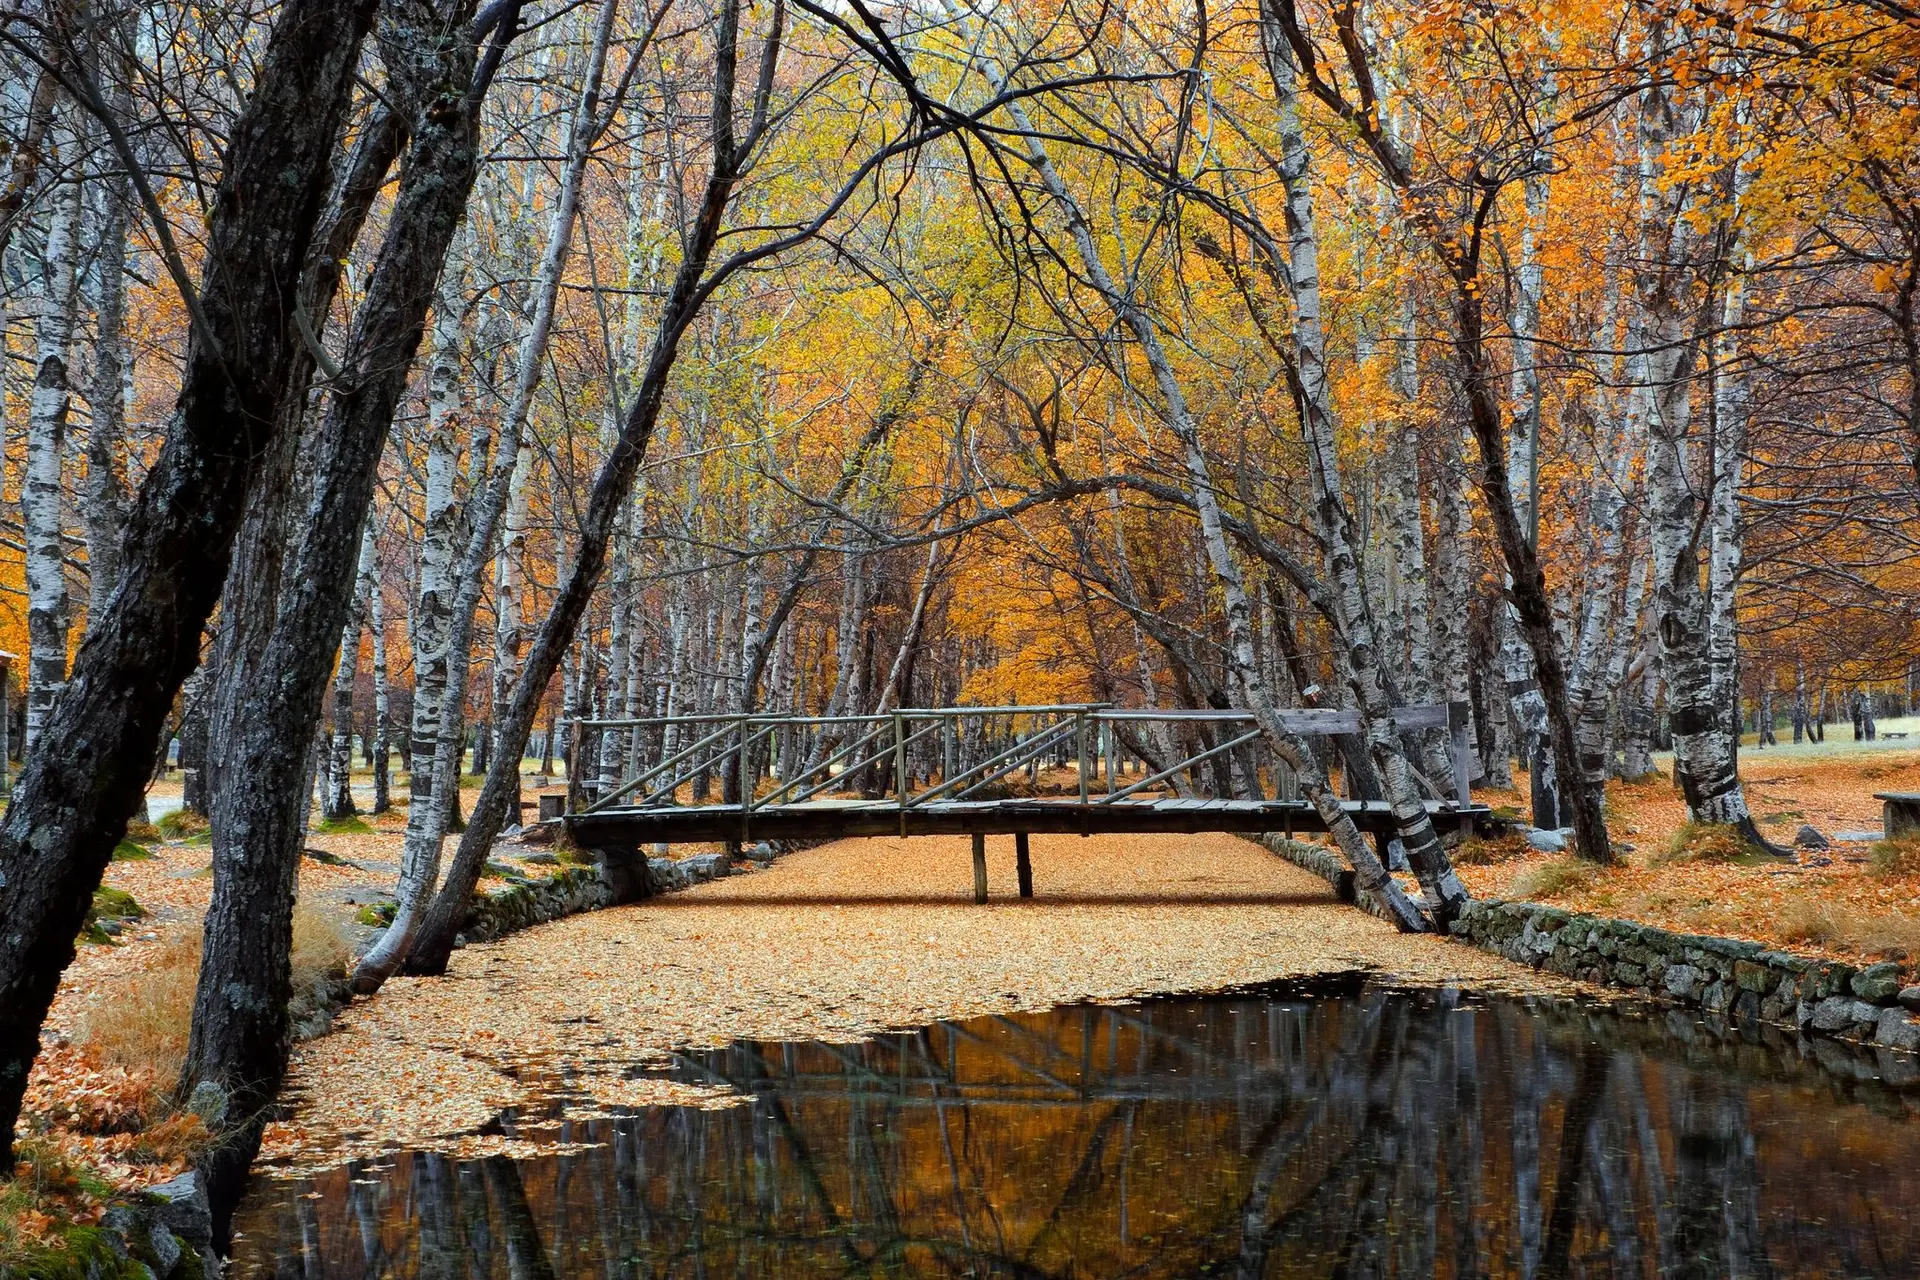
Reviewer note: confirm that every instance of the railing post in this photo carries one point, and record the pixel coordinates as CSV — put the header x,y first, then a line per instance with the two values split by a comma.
x,y
900,767
948,732
1080,744
742,767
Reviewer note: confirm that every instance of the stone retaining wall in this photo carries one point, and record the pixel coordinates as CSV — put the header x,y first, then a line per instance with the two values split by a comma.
x,y
1717,975
1714,975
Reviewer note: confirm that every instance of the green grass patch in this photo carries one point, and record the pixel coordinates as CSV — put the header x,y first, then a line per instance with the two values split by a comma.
x,y
181,824
128,851
352,825
109,905
377,915
38,1235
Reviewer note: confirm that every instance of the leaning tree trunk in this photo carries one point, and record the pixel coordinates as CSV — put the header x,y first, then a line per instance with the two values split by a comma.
x,y
41,490
71,806
611,488
1360,650
432,619
241,1033
426,828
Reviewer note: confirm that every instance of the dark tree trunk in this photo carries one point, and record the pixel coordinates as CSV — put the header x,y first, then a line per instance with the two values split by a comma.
x,y
1527,581
241,1033
72,805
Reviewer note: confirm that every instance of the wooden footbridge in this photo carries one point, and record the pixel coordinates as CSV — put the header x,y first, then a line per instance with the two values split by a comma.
x,y
1082,768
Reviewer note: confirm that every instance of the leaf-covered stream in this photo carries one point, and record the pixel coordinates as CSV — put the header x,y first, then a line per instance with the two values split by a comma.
x,y
1332,1128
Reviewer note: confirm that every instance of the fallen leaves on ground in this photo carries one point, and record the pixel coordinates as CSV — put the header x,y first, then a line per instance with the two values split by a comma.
x,y
1842,909
837,943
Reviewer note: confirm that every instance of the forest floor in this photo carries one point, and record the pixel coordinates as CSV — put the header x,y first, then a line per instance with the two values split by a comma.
x,y
1859,898
859,936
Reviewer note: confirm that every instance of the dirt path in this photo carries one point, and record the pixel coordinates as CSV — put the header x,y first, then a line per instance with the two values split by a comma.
x,y
836,943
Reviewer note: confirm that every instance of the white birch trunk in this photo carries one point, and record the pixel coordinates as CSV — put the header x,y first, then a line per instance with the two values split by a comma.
x,y
1703,759
107,494
509,589
339,802
382,693
427,824
41,492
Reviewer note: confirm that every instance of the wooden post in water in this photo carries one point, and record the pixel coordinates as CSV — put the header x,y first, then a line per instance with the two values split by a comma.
x,y
1023,863
979,867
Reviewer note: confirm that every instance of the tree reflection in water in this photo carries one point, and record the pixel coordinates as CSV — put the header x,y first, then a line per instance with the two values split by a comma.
x,y
1344,1130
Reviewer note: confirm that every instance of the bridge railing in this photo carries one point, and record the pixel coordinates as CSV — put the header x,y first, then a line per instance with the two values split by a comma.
x,y
915,756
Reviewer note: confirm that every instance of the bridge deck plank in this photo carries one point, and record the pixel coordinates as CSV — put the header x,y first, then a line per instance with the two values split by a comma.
x,y
834,819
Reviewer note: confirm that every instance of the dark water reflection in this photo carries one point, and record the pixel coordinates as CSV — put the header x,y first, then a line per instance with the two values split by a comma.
x,y
1339,1131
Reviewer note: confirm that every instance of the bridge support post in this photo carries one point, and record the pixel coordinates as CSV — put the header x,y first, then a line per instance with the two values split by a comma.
x,y
1023,863
979,867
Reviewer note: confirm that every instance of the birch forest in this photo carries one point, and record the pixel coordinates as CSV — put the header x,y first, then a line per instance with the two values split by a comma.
x,y
391,385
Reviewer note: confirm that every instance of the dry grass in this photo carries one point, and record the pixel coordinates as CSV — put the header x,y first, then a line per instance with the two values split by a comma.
x,y
182,824
1889,935
143,1027
1487,851
319,947
1811,923
1897,857
1893,935
1553,879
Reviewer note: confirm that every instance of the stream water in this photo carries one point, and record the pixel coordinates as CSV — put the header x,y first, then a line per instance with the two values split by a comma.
x,y
1336,1129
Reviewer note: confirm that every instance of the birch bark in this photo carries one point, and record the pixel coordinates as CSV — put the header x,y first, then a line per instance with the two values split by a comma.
x,y
106,488
42,491
1703,760
240,1034
382,693
346,674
